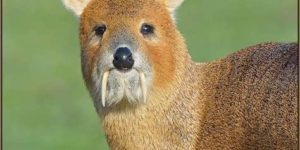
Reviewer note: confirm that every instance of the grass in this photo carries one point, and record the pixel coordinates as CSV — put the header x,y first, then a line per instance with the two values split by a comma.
x,y
46,105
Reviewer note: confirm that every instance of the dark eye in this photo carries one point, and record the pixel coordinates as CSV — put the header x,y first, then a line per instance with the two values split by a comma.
x,y
147,29
99,30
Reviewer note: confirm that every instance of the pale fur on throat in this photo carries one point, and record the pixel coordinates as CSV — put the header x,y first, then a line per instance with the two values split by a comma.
x,y
163,118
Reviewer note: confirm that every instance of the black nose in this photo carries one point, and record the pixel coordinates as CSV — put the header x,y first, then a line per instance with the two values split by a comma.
x,y
123,59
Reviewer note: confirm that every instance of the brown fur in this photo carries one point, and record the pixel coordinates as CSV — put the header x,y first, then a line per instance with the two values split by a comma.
x,y
247,100
251,99
123,9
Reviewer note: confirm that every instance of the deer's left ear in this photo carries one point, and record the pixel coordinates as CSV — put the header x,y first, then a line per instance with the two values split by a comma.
x,y
173,4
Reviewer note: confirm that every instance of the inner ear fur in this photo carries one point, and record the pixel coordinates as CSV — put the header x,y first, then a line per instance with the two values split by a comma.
x,y
76,6
172,5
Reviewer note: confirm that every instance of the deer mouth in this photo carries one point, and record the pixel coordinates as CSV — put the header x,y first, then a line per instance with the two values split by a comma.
x,y
123,84
111,85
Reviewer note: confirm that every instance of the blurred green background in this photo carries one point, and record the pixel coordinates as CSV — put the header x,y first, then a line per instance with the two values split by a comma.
x,y
46,105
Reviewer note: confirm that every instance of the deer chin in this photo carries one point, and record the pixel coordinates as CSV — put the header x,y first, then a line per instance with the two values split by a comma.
x,y
115,86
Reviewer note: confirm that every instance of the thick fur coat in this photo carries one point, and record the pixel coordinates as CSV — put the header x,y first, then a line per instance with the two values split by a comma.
x,y
248,100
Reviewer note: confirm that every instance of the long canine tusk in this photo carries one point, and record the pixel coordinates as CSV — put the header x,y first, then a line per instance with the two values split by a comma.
x,y
143,85
104,85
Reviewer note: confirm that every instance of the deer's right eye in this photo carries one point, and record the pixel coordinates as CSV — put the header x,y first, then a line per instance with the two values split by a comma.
x,y
99,30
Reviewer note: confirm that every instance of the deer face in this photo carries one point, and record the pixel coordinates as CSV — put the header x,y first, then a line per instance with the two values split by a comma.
x,y
128,47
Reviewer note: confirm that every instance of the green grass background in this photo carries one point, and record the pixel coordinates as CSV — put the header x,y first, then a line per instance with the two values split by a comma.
x,y
46,105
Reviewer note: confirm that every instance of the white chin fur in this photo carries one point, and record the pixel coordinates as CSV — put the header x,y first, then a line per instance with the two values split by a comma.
x,y
114,86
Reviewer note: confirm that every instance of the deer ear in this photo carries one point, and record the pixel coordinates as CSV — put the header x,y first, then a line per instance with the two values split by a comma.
x,y
173,4
76,6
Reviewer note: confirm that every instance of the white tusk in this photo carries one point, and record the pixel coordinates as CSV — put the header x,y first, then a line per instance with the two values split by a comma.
x,y
143,85
104,85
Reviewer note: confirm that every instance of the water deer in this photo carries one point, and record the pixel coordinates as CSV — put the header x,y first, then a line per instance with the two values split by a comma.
x,y
149,93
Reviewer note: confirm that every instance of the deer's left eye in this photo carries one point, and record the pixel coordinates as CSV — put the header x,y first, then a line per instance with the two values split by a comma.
x,y
147,29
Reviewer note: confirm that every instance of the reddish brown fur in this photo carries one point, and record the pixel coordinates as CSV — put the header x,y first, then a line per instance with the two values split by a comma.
x,y
247,100
151,11
252,99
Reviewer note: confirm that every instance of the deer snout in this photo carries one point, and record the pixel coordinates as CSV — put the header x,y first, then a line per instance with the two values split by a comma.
x,y
123,59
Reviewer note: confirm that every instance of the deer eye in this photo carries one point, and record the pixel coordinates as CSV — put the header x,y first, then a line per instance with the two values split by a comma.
x,y
99,30
147,29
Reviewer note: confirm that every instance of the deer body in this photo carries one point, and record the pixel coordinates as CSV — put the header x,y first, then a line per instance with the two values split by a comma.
x,y
245,101
149,94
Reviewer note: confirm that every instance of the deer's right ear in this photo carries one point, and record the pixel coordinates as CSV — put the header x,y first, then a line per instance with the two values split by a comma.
x,y
76,6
